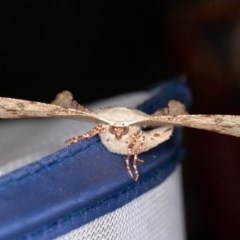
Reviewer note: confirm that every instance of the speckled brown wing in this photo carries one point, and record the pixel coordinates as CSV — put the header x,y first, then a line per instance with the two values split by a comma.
x,y
225,124
17,108
176,114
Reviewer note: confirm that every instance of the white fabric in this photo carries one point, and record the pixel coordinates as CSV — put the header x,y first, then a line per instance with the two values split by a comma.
x,y
155,215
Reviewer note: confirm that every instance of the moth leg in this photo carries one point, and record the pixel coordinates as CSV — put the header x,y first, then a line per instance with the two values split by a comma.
x,y
136,158
127,162
134,148
89,134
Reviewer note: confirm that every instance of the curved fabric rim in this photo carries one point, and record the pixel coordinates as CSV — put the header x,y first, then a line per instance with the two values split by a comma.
x,y
157,214
84,181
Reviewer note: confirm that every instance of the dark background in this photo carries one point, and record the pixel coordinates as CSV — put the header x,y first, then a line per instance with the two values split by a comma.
x,y
101,49
94,49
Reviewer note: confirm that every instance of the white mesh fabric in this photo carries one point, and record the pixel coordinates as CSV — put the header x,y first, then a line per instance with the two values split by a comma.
x,y
155,215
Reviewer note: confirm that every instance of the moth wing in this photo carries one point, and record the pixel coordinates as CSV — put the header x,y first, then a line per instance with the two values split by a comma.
x,y
225,124
174,108
176,114
17,108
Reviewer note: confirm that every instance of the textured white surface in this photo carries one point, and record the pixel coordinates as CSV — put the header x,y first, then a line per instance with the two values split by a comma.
x,y
155,215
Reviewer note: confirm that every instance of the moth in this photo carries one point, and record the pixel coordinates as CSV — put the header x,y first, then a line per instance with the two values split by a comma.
x,y
125,131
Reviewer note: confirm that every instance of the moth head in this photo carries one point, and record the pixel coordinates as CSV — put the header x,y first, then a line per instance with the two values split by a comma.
x,y
118,131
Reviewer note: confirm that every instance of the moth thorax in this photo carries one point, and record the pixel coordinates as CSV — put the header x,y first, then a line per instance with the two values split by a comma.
x,y
118,131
